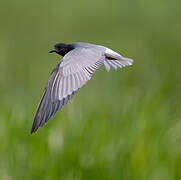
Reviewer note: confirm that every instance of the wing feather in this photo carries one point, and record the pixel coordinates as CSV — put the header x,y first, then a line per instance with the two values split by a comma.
x,y
66,79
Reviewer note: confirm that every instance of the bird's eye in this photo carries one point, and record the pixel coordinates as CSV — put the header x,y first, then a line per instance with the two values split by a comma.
x,y
58,47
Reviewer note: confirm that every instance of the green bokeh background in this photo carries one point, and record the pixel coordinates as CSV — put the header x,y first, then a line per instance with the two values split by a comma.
x,y
125,124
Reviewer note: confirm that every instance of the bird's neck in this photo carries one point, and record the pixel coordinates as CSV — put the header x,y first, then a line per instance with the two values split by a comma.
x,y
70,47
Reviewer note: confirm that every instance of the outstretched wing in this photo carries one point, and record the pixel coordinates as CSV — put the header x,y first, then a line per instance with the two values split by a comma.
x,y
69,75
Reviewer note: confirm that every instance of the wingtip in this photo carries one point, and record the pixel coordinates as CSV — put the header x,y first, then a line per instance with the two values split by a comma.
x,y
34,128
32,131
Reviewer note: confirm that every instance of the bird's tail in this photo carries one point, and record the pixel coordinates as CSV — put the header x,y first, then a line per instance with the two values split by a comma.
x,y
115,60
108,63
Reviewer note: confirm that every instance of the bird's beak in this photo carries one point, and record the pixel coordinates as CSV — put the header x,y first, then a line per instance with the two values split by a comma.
x,y
54,50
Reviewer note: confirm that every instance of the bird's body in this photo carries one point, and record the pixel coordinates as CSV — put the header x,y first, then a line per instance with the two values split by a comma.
x,y
80,61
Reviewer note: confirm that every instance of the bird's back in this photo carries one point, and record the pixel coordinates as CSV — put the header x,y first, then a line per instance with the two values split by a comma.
x,y
88,45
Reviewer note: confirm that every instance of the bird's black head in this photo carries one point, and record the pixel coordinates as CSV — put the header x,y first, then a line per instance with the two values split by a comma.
x,y
62,48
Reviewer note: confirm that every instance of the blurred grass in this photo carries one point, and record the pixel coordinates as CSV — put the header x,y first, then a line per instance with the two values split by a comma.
x,y
124,124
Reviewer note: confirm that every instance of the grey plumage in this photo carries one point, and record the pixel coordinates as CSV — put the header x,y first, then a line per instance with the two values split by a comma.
x,y
79,63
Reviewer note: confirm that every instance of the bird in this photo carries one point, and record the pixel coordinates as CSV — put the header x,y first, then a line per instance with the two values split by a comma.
x,y
80,61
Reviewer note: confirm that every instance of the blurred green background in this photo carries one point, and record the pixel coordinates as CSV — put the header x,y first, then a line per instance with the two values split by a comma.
x,y
125,124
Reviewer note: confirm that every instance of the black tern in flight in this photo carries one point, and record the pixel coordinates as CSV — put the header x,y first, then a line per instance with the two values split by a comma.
x,y
80,61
